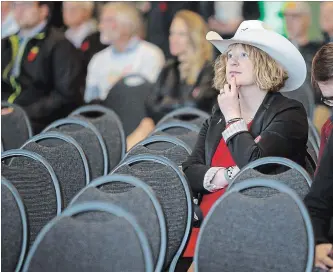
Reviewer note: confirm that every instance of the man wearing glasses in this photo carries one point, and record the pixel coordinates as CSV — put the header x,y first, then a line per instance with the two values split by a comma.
x,y
322,79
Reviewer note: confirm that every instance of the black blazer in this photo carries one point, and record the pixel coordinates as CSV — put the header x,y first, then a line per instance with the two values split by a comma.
x,y
169,93
282,124
319,201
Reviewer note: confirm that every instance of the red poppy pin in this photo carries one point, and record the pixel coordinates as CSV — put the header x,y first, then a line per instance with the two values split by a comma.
x,y
33,53
85,46
163,6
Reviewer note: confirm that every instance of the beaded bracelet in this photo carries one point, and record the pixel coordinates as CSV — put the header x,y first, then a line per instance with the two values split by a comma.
x,y
230,122
233,120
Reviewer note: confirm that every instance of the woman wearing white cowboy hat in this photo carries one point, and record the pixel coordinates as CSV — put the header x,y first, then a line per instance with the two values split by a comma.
x,y
251,119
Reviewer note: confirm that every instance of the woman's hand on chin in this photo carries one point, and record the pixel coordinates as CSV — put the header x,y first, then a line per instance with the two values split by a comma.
x,y
228,101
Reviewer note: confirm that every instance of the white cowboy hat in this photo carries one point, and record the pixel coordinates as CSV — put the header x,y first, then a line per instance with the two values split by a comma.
x,y
253,32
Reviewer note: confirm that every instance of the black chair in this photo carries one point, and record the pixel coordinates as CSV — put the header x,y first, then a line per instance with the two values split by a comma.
x,y
89,138
187,114
110,127
139,200
167,146
14,228
67,159
91,236
313,149
296,177
127,99
267,234
184,131
173,192
37,185
314,134
15,127
303,94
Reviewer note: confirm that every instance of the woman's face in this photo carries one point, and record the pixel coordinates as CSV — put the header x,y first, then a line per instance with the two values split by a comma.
x,y
179,37
239,65
326,88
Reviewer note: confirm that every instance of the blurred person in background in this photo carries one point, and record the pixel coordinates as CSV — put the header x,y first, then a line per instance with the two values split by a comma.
x,y
224,17
297,16
186,79
8,23
158,17
227,17
322,80
121,26
77,17
82,29
41,70
326,20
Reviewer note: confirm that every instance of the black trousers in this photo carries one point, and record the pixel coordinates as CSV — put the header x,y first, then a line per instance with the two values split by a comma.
x,y
183,264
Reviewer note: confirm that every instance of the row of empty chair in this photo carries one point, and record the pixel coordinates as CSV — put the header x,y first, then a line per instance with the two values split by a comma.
x,y
74,187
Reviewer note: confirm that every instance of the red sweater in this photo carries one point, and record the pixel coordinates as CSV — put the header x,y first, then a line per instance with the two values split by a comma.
x,y
326,131
221,158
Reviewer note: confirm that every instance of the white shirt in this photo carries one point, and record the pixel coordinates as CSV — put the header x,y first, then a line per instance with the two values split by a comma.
x,y
77,36
9,26
227,11
24,38
108,66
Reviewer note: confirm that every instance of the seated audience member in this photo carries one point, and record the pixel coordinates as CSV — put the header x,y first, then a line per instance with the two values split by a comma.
x,y
326,20
120,27
319,202
8,23
158,16
298,20
82,28
41,69
186,80
225,16
322,79
252,119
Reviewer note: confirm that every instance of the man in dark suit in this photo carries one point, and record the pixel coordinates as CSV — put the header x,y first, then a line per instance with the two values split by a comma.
x,y
41,70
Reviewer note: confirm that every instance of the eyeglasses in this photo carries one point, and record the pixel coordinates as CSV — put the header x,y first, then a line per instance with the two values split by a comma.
x,y
25,4
327,100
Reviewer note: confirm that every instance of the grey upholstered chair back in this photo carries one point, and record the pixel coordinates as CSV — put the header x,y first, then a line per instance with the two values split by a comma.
x,y
89,138
91,236
167,146
16,127
172,191
110,127
184,131
127,100
296,177
140,201
313,134
14,228
244,233
310,164
187,114
38,186
67,159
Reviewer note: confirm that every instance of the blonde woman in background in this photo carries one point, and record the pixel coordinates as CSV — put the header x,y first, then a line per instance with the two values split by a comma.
x,y
186,79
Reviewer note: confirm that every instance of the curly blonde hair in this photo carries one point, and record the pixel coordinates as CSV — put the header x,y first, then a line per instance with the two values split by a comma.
x,y
269,75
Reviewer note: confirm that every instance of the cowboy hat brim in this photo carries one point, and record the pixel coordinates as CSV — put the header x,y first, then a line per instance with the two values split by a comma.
x,y
275,45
